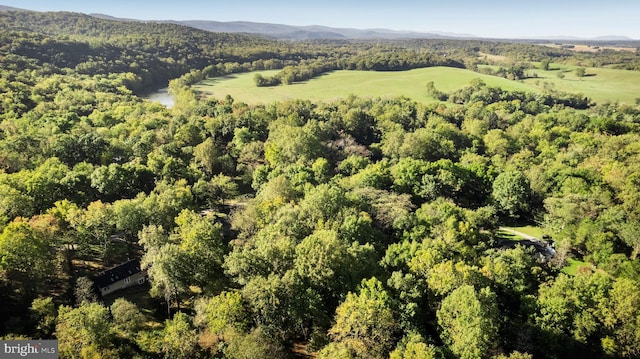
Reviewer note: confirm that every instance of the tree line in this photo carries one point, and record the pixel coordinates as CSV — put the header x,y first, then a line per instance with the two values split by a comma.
x,y
387,60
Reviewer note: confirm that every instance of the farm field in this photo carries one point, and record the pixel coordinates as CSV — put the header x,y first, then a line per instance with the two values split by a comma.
x,y
340,84
601,85
589,48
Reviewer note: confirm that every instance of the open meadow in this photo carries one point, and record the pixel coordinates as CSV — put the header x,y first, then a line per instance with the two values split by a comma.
x,y
599,84
340,84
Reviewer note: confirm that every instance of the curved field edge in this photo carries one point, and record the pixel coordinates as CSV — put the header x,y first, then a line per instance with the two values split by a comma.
x,y
603,85
343,83
599,84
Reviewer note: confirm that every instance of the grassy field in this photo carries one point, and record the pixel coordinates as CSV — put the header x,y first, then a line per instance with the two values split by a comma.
x,y
340,84
600,84
591,48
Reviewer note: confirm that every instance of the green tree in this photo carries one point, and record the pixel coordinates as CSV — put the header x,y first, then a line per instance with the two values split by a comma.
x,y
282,306
112,181
469,322
514,355
413,346
164,264
222,312
545,64
129,217
206,156
95,226
44,314
201,249
166,201
630,235
435,93
498,143
364,322
25,257
256,344
289,144
571,307
581,72
621,316
85,291
14,203
321,170
179,339
46,184
169,162
127,317
511,269
320,259
268,253
445,277
512,193
84,330
216,191
337,350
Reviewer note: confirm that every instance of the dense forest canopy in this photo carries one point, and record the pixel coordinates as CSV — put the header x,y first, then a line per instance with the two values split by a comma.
x,y
357,228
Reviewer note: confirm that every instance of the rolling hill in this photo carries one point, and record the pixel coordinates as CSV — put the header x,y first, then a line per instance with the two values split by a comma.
x,y
280,31
9,8
291,32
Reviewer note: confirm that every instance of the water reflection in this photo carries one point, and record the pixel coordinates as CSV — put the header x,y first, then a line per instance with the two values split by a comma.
x,y
161,96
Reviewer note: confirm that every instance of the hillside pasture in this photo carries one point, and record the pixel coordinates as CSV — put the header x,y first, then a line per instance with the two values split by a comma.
x,y
494,58
589,48
601,85
341,84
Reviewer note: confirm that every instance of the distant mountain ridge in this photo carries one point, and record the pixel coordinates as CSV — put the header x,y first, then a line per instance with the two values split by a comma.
x,y
291,32
576,38
288,32
280,31
612,38
9,8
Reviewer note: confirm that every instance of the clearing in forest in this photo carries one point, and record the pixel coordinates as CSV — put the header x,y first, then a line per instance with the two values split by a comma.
x,y
601,85
341,84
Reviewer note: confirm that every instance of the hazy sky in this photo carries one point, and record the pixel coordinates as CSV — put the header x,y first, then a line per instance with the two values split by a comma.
x,y
495,18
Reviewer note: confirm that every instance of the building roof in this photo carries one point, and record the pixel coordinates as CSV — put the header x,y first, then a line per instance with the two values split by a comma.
x,y
117,273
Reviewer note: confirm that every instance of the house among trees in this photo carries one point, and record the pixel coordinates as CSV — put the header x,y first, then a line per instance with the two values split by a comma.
x,y
121,276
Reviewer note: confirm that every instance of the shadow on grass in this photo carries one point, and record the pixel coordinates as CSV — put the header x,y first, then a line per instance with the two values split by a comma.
x,y
505,236
153,309
214,80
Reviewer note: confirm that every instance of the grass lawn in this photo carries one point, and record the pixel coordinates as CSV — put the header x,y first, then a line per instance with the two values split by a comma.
x,y
139,295
530,230
600,84
508,236
572,266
